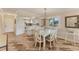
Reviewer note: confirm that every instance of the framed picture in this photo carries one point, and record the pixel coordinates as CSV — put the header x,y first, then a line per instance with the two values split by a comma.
x,y
72,21
54,21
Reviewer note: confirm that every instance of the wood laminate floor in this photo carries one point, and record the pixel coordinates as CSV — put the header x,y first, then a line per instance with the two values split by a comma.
x,y
26,43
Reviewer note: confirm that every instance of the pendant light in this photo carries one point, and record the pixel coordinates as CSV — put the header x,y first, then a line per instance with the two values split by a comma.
x,y
45,16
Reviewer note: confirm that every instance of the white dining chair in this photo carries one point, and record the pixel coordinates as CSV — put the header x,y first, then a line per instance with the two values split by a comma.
x,y
38,39
52,38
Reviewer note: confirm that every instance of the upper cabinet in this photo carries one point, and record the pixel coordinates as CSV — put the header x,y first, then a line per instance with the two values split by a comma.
x,y
72,21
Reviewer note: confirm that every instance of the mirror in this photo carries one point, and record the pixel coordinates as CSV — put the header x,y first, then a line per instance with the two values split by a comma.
x,y
72,21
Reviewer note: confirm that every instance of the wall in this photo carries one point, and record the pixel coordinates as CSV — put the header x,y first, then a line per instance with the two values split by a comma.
x,y
19,25
0,24
64,30
4,17
9,23
2,27
63,19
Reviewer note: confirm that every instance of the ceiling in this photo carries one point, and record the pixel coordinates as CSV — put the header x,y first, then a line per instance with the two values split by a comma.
x,y
39,11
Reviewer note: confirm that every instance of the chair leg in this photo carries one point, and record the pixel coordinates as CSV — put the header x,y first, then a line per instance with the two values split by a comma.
x,y
54,43
50,44
39,46
55,40
35,44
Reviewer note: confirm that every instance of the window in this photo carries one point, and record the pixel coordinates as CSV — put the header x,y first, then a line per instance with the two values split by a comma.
x,y
54,21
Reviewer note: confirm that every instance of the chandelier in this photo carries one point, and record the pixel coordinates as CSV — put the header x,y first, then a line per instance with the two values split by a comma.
x,y
45,14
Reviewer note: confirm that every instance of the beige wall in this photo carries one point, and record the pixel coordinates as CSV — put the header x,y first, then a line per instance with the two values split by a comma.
x,y
64,30
12,20
62,18
4,17
68,14
9,23
0,24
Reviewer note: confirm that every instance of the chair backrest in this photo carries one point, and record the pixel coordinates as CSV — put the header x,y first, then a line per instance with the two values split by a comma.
x,y
53,35
38,36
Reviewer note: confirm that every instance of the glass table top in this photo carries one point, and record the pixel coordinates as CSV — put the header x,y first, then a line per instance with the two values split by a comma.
x,y
46,32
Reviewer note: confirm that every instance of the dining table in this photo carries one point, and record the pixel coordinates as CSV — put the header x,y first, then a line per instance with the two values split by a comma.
x,y
44,33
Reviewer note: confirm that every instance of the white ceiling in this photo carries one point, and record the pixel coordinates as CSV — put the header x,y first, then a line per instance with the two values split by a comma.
x,y
39,11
